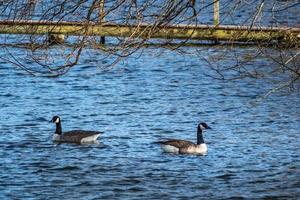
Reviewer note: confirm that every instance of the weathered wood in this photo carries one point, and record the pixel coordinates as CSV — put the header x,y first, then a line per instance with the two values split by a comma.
x,y
101,11
216,12
101,18
199,32
56,38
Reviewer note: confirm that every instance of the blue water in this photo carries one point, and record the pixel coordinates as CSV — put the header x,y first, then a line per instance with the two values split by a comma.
x,y
253,148
273,12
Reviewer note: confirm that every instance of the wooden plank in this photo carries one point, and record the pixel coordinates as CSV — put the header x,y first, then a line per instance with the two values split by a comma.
x,y
199,32
101,18
216,13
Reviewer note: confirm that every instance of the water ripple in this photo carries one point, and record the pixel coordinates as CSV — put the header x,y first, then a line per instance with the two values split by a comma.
x,y
253,152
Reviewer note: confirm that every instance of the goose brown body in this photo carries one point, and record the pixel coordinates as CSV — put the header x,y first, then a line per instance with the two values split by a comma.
x,y
178,143
74,136
78,136
187,147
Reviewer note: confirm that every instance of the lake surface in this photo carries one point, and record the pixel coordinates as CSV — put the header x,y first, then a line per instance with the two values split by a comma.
x,y
253,149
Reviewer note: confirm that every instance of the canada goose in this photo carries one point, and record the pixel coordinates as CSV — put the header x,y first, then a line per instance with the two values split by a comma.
x,y
75,136
183,146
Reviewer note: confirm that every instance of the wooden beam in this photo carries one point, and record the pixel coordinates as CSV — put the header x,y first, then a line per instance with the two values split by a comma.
x,y
101,11
216,13
199,32
101,18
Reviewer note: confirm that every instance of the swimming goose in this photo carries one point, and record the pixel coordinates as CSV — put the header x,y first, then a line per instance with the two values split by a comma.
x,y
187,147
76,136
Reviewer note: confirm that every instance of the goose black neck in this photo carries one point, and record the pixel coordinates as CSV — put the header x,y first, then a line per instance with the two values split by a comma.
x,y
58,129
200,139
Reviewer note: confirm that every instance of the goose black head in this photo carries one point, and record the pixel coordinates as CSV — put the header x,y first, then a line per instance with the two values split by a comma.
x,y
55,119
203,126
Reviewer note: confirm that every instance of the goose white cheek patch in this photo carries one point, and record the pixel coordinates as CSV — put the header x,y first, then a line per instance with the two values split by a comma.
x,y
202,127
57,121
